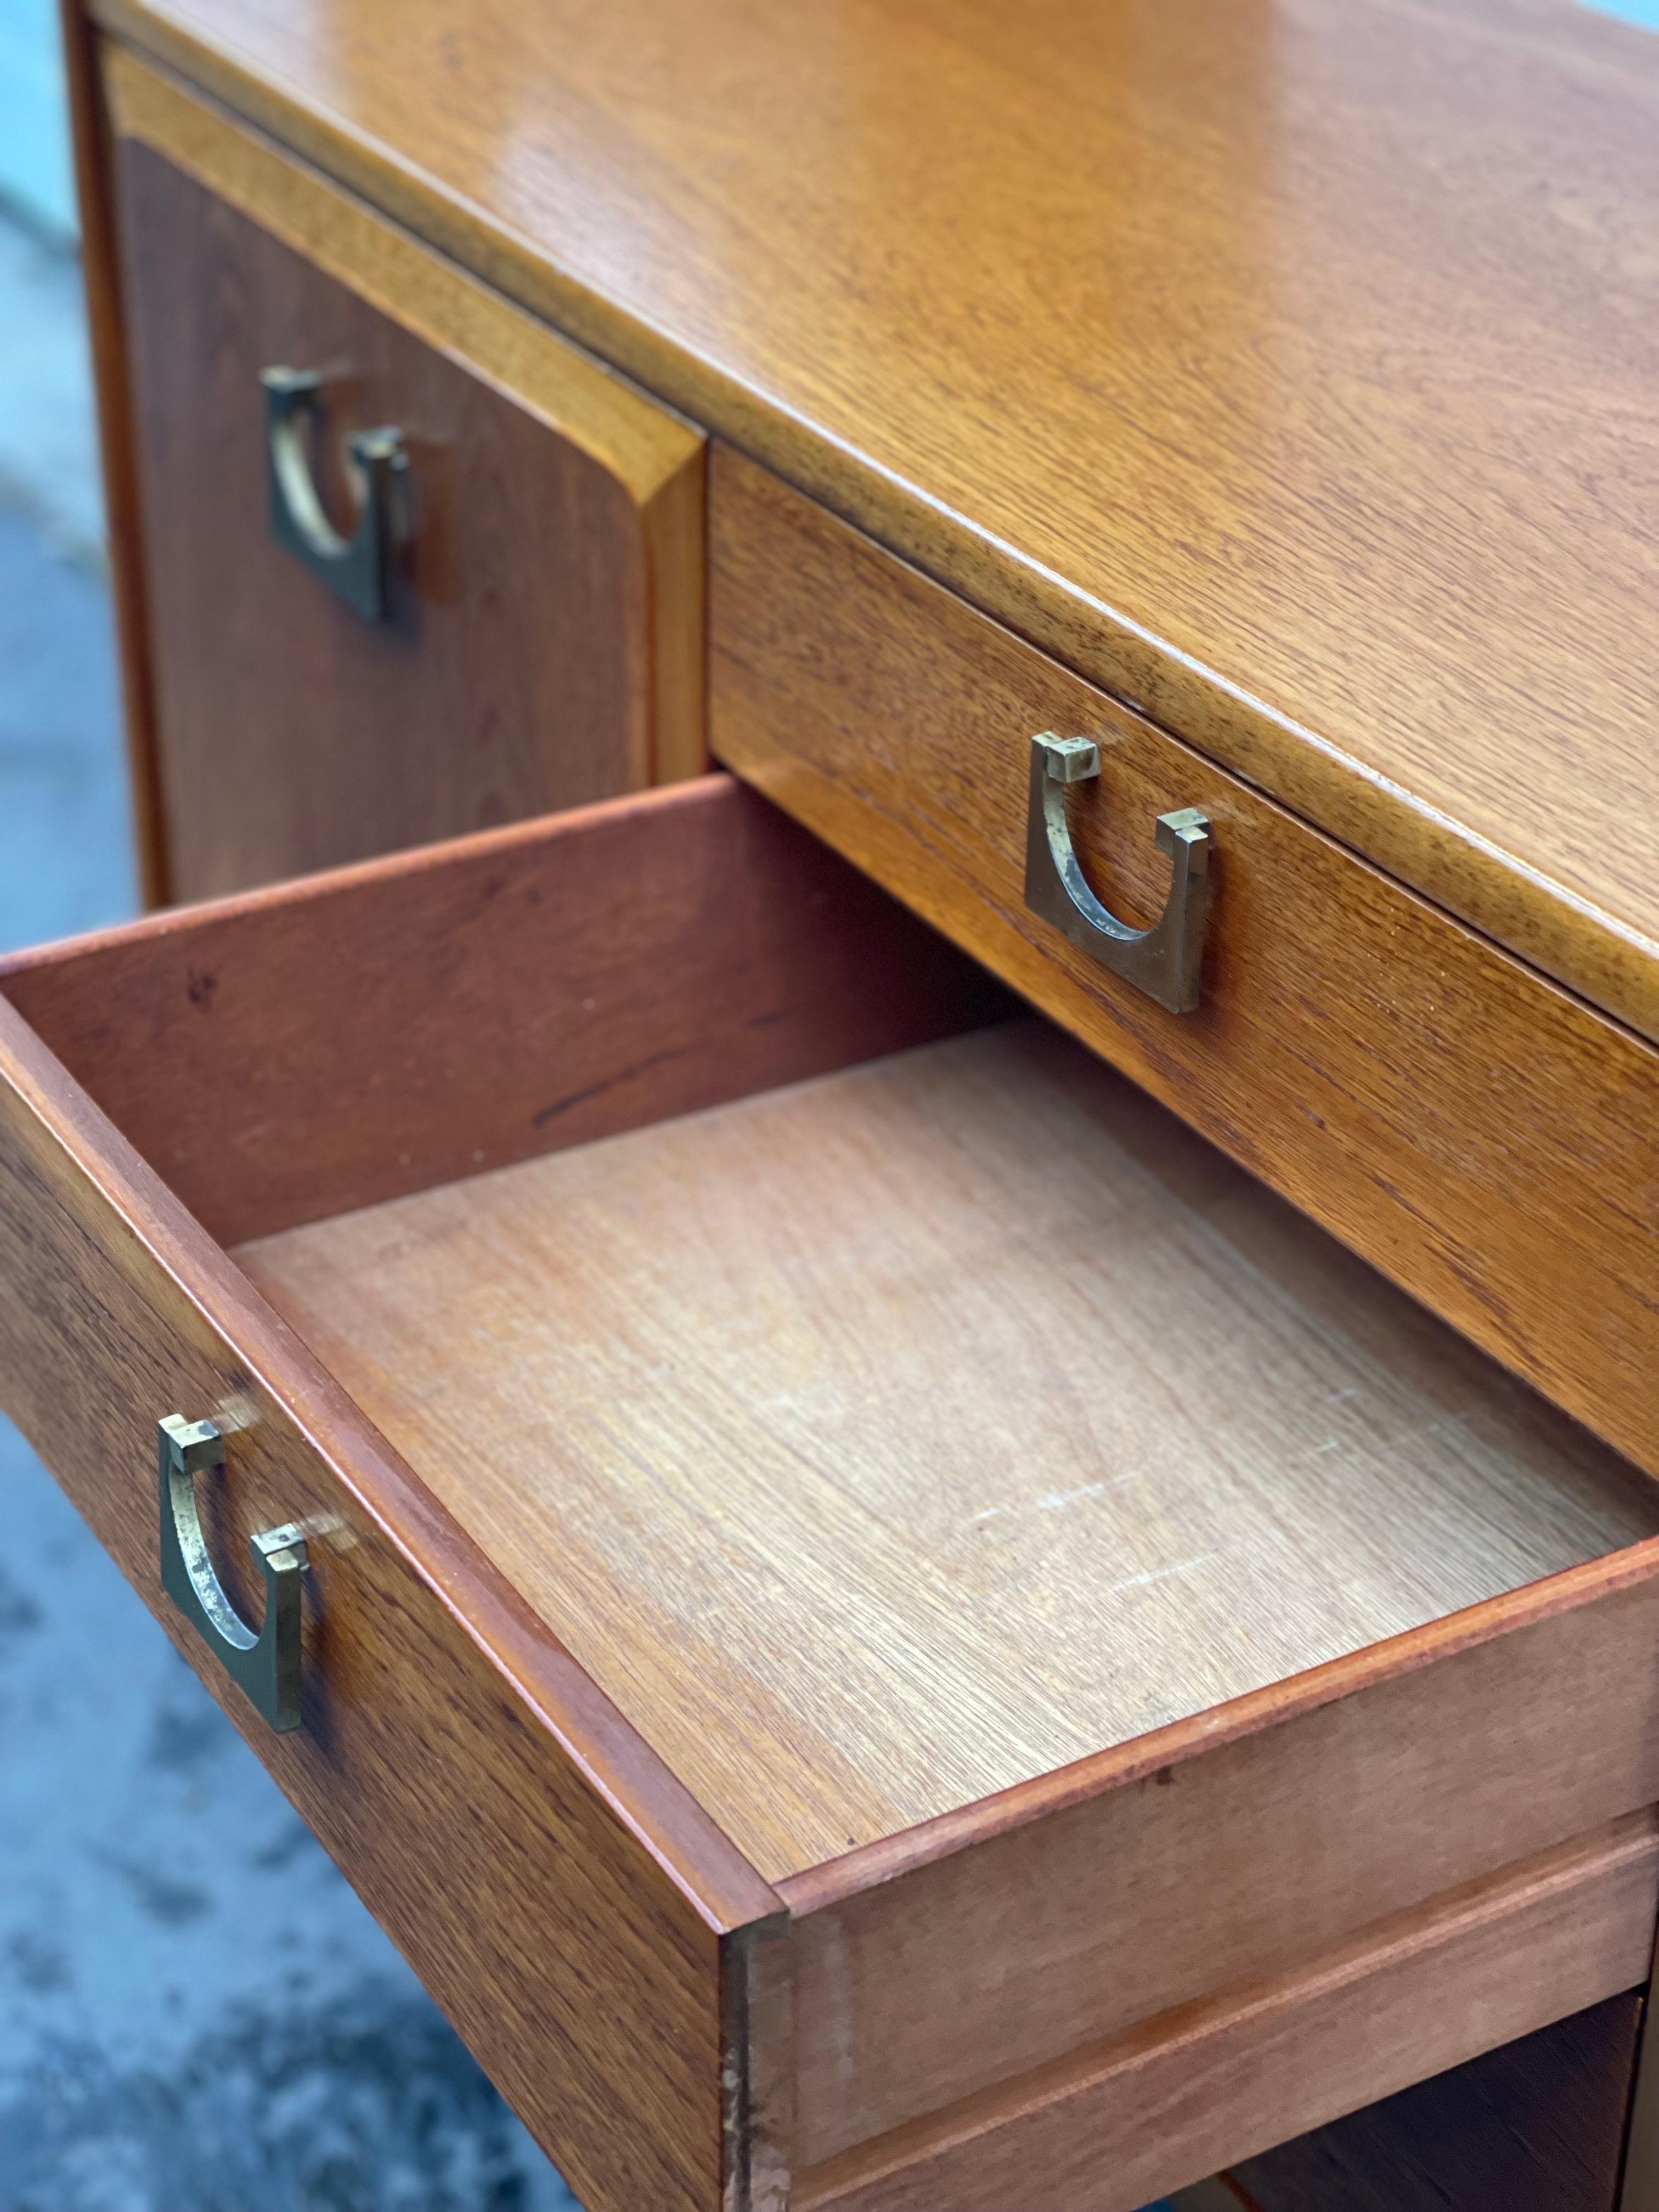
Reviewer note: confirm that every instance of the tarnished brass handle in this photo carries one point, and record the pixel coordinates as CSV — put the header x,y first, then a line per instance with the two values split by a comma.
x,y
267,1666
360,568
1163,961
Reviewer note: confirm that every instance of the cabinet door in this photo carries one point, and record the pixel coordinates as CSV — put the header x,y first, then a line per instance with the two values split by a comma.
x,y
538,642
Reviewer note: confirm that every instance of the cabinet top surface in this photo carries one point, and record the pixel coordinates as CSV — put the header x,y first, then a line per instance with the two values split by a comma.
x,y
1291,367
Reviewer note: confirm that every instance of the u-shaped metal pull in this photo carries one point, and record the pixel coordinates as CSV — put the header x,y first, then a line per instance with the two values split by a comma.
x,y
1164,960
359,569
266,1664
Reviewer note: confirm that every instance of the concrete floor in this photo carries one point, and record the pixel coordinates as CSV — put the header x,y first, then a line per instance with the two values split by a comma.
x,y
34,148
48,452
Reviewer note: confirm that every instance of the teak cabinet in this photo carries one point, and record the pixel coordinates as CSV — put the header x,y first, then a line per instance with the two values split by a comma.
x,y
934,1455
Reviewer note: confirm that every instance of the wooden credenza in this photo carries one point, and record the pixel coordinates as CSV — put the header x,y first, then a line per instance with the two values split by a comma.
x,y
900,1148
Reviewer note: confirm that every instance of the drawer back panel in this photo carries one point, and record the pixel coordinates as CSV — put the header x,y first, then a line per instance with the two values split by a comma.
x,y
331,1043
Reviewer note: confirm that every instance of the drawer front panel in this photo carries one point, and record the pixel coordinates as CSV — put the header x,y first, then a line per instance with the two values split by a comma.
x,y
542,644
456,1764
1127,2119
1472,1131
1241,1845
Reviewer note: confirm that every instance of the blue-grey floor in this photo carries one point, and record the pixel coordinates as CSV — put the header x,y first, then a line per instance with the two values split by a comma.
x,y
196,2014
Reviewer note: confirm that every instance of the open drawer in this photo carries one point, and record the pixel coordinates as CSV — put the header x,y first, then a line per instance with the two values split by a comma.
x,y
878,1620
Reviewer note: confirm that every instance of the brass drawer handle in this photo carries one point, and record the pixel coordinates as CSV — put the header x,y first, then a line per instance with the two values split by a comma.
x,y
267,1666
1163,961
358,569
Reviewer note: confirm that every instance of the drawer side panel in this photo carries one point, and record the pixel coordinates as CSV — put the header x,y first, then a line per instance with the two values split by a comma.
x,y
461,1771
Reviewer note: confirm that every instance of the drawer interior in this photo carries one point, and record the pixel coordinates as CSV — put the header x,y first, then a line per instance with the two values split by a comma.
x,y
884,1401
881,1442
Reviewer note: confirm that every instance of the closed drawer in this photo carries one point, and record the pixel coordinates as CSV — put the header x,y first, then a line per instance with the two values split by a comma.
x,y
876,1612
1486,1138
509,616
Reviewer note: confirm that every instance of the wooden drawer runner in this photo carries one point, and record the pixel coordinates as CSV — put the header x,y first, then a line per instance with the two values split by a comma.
x,y
542,646
883,1624
1484,1137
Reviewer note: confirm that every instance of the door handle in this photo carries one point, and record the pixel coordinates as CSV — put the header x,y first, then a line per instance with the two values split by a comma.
x,y
1164,961
359,569
263,1663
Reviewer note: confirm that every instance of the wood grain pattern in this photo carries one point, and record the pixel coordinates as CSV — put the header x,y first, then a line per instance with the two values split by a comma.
x,y
920,1429
558,1890
1488,1141
639,441
314,1046
1115,2126
1238,1843
1148,331
1537,2125
100,271
538,636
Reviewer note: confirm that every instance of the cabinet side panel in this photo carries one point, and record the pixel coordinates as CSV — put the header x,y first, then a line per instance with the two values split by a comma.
x,y
757,2004
100,268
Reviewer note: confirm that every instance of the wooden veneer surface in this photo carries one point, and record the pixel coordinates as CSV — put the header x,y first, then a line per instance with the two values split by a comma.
x,y
881,1442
